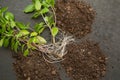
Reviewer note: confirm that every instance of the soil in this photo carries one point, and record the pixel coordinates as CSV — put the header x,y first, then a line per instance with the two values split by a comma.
x,y
85,61
74,17
34,67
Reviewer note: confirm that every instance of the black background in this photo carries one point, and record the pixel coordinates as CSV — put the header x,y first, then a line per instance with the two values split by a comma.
x,y
106,31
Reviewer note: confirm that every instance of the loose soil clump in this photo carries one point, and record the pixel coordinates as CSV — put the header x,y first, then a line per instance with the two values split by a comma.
x,y
74,17
34,67
85,61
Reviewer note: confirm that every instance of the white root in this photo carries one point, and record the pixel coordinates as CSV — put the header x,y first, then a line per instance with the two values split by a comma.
x,y
55,52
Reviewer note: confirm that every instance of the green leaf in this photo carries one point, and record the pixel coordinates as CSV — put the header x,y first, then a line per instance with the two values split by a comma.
x,y
18,35
3,28
33,1
22,47
45,10
29,45
54,31
16,46
26,52
44,4
51,2
12,43
41,40
41,30
21,25
6,42
1,42
9,16
29,8
33,34
39,26
37,39
51,21
2,10
24,32
36,14
48,1
12,24
37,5
33,40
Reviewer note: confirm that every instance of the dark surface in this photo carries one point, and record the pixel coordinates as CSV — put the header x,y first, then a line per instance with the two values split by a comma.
x,y
106,31
6,69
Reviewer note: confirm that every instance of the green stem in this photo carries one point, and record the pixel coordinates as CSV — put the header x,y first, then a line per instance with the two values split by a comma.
x,y
53,10
53,38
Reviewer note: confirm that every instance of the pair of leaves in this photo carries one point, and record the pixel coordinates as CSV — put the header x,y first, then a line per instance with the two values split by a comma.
x,y
38,13
50,22
36,6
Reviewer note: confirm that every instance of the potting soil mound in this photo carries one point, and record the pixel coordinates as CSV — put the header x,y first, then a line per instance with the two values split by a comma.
x,y
74,16
34,67
85,61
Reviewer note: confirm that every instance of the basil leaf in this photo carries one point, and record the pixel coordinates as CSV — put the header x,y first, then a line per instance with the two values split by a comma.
x,y
9,15
29,8
26,52
37,5
54,31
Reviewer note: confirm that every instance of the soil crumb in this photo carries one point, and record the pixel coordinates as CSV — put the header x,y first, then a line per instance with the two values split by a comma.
x,y
85,61
74,17
34,67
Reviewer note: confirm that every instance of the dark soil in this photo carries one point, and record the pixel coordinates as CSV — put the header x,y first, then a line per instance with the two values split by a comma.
x,y
34,67
85,61
74,17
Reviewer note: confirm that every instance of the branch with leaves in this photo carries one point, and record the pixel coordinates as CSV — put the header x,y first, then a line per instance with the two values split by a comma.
x,y
44,8
21,37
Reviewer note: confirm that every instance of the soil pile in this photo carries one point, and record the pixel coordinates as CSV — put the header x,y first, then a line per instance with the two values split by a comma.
x,y
74,17
34,67
85,61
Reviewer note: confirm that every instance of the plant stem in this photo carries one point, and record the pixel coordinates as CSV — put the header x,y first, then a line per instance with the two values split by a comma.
x,y
53,38
53,10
